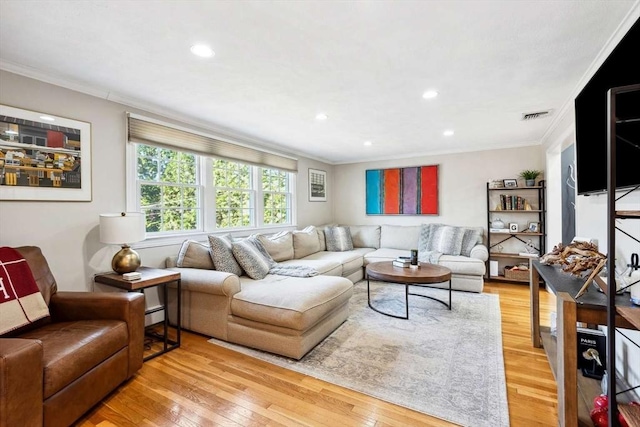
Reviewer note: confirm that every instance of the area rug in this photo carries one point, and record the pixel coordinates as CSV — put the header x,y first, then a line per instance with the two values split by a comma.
x,y
448,364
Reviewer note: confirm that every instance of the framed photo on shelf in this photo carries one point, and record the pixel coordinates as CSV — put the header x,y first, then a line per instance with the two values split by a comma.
x,y
513,227
533,227
44,157
510,183
317,185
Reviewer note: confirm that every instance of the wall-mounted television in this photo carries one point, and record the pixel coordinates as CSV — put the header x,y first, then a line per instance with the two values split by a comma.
x,y
621,68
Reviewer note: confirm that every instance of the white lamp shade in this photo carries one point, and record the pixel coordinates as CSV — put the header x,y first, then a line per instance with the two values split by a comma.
x,y
122,228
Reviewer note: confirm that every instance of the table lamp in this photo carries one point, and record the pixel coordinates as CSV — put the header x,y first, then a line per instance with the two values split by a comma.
x,y
122,229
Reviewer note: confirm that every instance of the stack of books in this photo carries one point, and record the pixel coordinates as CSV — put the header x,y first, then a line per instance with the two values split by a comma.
x,y
402,261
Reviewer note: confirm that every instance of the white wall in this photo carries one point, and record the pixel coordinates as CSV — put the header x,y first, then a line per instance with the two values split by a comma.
x,y
591,221
68,232
462,185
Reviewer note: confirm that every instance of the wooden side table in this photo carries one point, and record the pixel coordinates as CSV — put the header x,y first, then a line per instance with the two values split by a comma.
x,y
151,277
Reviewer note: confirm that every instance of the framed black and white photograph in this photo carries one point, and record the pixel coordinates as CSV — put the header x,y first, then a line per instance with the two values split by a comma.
x,y
534,227
510,183
44,157
513,227
317,185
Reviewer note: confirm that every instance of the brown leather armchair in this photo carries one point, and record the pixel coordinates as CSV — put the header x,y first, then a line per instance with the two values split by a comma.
x,y
54,370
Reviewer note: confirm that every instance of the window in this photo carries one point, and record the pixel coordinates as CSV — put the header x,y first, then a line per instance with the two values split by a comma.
x,y
169,194
276,197
234,194
184,192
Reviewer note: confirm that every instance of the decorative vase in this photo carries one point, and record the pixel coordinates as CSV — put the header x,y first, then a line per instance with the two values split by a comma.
x,y
530,182
497,223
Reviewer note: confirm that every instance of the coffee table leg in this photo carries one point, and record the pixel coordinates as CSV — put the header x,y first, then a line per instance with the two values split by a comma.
x,y
433,298
389,314
406,299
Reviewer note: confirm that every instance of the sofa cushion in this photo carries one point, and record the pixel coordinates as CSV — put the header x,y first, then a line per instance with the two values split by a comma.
x,y
446,239
338,239
279,245
384,254
463,265
305,242
365,236
472,236
71,349
290,302
252,257
222,254
348,260
399,236
195,255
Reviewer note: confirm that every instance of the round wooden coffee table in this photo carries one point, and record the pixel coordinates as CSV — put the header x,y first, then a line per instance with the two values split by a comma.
x,y
424,275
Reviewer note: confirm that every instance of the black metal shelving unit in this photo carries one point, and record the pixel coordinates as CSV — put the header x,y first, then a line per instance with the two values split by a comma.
x,y
537,212
631,314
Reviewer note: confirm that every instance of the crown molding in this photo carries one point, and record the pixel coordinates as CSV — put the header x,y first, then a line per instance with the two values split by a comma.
x,y
146,107
430,153
632,16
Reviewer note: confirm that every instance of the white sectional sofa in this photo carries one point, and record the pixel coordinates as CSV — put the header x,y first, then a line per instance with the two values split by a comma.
x,y
290,315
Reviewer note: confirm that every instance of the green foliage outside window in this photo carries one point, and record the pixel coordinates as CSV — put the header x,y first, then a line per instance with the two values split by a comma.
x,y
169,192
168,189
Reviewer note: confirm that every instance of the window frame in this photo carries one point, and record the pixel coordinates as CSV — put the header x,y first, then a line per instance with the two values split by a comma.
x,y
207,207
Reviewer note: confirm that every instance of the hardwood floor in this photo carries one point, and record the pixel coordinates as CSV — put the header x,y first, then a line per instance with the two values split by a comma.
x,y
200,384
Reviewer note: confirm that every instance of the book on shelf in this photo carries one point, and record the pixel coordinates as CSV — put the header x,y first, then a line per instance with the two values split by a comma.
x,y
499,230
512,203
591,352
404,263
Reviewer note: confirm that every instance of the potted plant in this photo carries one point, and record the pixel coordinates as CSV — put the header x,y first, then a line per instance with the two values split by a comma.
x,y
530,176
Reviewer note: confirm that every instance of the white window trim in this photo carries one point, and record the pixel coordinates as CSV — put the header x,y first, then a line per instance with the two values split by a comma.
x,y
208,205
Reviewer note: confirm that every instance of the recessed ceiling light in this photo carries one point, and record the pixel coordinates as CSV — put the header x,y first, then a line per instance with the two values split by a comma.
x,y
447,133
47,118
430,94
367,143
202,50
321,116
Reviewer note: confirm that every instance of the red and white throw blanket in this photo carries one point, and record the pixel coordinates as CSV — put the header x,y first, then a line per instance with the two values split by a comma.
x,y
21,302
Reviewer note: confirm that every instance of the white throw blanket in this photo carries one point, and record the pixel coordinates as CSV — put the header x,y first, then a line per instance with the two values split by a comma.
x,y
293,270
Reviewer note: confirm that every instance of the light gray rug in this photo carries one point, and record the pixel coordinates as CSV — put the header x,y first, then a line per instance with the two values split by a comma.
x,y
447,364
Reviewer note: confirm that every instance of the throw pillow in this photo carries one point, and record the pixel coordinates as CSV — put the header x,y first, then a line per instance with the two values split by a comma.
x,y
365,236
222,255
305,242
279,245
338,239
471,238
445,239
252,257
195,255
423,240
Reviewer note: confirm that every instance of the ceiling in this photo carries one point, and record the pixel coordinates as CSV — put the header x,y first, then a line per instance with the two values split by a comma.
x,y
365,64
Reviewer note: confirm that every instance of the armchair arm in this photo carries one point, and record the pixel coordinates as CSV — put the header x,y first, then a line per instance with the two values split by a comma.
x,y
128,307
21,379
480,252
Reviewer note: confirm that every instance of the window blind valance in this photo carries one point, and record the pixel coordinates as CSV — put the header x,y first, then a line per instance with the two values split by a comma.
x,y
146,132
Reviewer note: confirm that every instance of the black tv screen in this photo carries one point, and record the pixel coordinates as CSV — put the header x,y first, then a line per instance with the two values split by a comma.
x,y
621,68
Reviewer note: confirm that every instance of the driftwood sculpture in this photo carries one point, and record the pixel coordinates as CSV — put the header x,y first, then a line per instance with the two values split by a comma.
x,y
575,258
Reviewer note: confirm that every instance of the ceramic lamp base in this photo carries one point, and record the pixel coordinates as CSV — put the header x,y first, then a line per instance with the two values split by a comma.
x,y
125,261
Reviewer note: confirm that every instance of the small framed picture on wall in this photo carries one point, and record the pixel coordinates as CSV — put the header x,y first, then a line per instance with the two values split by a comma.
x,y
317,185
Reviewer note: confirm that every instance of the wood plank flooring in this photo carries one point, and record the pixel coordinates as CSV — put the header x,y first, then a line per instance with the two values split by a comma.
x,y
200,384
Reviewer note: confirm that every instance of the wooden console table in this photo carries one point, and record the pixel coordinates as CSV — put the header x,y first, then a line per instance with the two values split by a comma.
x,y
575,392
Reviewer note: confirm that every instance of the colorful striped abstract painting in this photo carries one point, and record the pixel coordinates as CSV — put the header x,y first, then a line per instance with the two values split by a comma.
x,y
402,191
